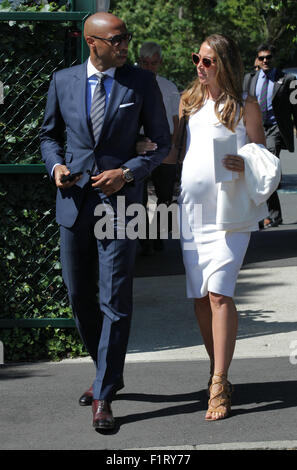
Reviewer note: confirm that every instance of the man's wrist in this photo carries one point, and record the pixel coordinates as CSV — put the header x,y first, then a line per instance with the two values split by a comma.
x,y
127,174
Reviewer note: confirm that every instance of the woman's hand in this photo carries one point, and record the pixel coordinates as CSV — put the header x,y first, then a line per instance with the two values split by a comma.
x,y
146,145
234,163
171,158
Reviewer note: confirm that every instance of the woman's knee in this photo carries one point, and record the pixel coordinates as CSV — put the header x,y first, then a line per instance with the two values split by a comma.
x,y
202,300
219,299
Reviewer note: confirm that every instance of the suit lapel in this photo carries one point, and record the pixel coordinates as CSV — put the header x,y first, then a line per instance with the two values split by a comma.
x,y
279,81
254,84
81,93
118,91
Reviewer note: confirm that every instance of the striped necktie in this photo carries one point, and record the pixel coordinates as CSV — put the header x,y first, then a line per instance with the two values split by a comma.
x,y
263,98
98,106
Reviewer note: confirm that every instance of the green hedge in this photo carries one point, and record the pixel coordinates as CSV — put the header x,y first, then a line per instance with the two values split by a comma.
x,y
30,52
31,284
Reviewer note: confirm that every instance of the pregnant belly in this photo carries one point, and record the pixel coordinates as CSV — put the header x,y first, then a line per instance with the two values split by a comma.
x,y
198,187
197,181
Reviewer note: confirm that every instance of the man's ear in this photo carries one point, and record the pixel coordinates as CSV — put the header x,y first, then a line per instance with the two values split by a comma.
x,y
90,41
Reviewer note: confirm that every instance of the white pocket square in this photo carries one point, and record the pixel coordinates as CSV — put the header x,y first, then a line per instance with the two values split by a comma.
x,y
125,105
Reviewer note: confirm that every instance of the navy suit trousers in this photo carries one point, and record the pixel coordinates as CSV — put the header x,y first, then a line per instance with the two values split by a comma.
x,y
274,144
98,274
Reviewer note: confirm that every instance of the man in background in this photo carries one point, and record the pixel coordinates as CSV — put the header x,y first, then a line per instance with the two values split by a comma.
x,y
273,88
164,176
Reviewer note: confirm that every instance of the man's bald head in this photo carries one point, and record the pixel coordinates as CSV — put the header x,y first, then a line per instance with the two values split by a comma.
x,y
99,29
102,22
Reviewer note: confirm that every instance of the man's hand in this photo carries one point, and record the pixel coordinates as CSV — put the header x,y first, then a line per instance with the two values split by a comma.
x,y
61,170
109,181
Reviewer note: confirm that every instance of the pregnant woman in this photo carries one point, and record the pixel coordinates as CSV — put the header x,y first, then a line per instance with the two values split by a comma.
x,y
215,107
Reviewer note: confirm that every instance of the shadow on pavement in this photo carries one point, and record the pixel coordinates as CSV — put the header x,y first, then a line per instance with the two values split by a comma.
x,y
271,245
265,245
269,395
254,397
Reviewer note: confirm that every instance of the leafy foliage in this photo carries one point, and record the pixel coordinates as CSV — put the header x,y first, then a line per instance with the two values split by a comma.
x,y
180,27
31,284
25,72
33,5
30,271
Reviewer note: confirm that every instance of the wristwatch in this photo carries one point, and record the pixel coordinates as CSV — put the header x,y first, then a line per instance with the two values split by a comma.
x,y
127,174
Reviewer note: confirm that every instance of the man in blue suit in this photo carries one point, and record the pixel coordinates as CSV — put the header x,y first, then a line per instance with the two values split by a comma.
x,y
97,109
273,89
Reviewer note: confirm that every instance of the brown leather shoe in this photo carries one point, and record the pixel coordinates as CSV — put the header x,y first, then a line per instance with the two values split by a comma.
x,y
87,397
102,415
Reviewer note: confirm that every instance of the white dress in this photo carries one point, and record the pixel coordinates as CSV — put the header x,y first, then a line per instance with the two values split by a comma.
x,y
212,257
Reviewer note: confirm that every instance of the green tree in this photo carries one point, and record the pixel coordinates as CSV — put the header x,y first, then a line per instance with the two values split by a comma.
x,y
179,27
251,23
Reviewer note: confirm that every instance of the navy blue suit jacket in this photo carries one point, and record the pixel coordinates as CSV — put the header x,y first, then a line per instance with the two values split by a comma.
x,y
66,122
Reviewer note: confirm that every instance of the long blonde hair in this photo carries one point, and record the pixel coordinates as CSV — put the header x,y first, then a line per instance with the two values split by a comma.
x,y
229,79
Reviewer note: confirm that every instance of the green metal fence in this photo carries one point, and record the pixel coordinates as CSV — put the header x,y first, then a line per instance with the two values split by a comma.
x,y
32,291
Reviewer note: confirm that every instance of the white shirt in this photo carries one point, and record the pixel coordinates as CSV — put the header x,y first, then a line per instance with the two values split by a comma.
x,y
270,119
171,99
93,80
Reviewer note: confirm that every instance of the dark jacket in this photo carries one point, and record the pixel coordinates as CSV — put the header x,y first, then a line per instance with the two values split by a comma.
x,y
135,101
284,109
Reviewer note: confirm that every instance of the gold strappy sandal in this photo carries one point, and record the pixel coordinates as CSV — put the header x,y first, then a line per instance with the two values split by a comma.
x,y
209,385
220,397
210,379
210,382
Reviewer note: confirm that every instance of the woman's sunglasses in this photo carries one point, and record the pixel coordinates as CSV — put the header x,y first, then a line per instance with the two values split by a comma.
x,y
205,61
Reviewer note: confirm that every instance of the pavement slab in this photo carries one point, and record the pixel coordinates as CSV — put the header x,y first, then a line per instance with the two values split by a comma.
x,y
162,406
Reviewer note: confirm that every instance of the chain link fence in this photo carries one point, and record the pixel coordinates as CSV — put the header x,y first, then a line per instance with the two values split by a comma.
x,y
31,281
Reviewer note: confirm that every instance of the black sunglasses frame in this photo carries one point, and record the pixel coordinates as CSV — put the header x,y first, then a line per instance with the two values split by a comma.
x,y
117,39
262,57
207,62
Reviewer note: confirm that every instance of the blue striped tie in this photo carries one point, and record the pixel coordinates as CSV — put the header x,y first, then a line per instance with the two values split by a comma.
x,y
98,107
263,98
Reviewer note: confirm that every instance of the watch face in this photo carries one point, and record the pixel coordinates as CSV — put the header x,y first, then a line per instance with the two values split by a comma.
x,y
128,175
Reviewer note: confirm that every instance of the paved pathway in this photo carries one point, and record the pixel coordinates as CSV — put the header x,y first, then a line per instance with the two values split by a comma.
x,y
164,401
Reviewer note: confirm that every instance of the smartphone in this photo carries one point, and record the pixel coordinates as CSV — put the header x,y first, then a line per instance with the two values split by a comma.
x,y
70,177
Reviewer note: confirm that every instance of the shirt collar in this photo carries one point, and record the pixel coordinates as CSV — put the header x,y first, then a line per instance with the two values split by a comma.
x,y
91,70
270,74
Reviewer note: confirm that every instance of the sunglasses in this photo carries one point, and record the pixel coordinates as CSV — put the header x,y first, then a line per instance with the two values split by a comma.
x,y
205,61
117,39
262,57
